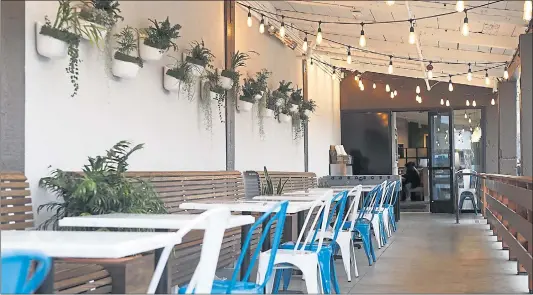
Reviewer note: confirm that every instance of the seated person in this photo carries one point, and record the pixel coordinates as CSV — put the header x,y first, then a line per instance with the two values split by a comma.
x,y
410,180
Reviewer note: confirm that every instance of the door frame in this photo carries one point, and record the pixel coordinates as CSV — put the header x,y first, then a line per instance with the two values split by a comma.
x,y
435,205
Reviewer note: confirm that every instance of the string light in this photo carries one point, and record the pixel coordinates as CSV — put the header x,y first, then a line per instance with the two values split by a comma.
x,y
362,86
460,6
390,3
467,103
391,94
469,120
430,70
474,103
262,24
466,116
528,8
417,89
282,29
505,73
450,85
356,77
391,69
469,75
349,58
395,93
441,101
304,45
465,29
492,101
487,79
360,83
311,61
319,34
447,103
387,88
249,20
362,39
412,36
374,85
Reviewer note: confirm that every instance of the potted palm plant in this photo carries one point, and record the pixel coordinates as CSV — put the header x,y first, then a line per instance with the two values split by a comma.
x,y
126,65
295,99
99,17
179,78
230,78
282,93
158,39
199,57
261,83
247,99
308,107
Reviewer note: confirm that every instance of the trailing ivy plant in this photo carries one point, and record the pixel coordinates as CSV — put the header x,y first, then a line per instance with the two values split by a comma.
x,y
211,85
127,44
200,55
66,28
238,60
101,188
281,98
161,35
182,71
301,119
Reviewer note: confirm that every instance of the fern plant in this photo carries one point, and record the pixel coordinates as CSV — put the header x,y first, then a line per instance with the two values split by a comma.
x,y
161,35
296,96
238,60
182,71
101,188
267,189
127,44
200,55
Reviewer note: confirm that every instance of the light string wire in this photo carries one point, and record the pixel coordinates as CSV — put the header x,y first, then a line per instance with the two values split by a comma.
x,y
262,12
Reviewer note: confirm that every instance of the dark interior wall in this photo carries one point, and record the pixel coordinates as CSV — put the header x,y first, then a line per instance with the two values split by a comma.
x,y
379,100
416,134
366,137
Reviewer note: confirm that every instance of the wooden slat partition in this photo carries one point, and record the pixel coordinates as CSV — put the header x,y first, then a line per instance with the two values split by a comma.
x,y
16,213
508,207
297,180
176,187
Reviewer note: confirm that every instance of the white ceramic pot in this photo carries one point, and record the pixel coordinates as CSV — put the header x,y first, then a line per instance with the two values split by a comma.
x,y
90,27
244,106
197,70
279,102
293,108
124,69
258,97
307,113
149,52
267,113
225,82
170,83
48,46
284,118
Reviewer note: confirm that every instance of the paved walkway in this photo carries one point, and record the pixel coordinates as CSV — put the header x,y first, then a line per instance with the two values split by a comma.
x,y
432,254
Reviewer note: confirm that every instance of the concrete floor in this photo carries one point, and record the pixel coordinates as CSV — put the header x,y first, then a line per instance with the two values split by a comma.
x,y
432,254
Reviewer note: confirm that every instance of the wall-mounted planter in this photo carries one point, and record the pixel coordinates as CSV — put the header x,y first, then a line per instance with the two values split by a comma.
x,y
258,97
307,113
244,106
90,26
149,52
225,82
279,102
293,108
267,113
49,46
124,69
170,83
284,118
197,69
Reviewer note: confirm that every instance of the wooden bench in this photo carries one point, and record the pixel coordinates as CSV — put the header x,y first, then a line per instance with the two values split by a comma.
x,y
16,213
297,180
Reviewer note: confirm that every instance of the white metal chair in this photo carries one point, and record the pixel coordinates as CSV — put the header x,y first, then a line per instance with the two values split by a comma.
x,y
202,279
374,218
304,260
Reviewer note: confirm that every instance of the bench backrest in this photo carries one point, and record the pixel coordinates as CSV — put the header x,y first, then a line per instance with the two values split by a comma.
x,y
297,180
15,202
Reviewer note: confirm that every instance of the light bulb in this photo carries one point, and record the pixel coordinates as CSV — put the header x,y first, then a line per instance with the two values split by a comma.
x,y
528,7
467,103
349,58
390,3
417,89
387,88
450,84
362,87
412,36
360,83
362,39
430,74
469,120
282,30
356,78
441,101
391,69
466,116
505,74
447,103
469,75
487,79
492,101
465,30
249,20
395,92
304,45
374,85
392,94
460,6
474,103
319,34
262,25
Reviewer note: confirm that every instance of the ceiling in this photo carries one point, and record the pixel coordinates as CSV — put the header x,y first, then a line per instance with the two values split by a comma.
x,y
494,31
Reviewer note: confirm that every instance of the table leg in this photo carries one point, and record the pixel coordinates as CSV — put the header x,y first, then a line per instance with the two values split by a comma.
x,y
246,261
163,287
47,287
267,243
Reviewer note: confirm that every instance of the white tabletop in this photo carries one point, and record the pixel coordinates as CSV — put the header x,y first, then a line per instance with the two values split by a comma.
x,y
248,206
155,221
85,244
291,198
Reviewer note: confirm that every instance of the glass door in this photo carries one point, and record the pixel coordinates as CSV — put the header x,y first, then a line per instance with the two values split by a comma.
x,y
441,171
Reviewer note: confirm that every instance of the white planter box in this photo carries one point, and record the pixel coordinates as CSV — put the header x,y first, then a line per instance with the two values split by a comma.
x,y
90,27
307,113
244,106
258,97
48,46
225,82
149,52
267,113
124,69
293,108
284,118
197,70
170,83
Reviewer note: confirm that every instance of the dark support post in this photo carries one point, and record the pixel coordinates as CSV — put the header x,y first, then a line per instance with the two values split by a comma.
x,y
306,128
229,49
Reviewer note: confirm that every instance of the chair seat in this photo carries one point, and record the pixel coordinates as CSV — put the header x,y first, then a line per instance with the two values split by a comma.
x,y
220,287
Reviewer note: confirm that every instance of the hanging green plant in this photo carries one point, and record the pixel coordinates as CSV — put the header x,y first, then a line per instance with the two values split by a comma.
x,y
179,77
211,90
99,17
238,60
200,55
126,63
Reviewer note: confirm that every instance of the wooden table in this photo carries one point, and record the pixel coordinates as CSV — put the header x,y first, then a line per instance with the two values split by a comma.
x,y
83,244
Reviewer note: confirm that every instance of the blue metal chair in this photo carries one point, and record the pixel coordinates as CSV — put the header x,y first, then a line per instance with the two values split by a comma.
x,y
244,286
325,251
390,206
16,267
